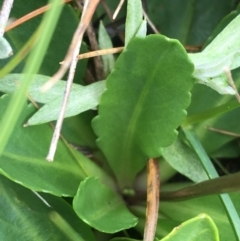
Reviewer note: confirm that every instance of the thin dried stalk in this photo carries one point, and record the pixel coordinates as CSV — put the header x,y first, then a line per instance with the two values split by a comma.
x,y
72,55
30,15
118,9
4,14
231,82
88,11
153,188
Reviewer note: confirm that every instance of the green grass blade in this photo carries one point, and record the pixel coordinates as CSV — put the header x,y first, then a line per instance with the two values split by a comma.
x,y
216,111
212,173
20,55
33,64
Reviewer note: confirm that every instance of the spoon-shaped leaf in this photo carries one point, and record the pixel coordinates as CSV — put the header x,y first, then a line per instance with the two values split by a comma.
x,y
144,103
102,208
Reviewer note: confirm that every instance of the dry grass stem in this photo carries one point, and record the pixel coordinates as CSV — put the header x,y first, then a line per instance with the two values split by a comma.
x,y
118,9
71,58
231,82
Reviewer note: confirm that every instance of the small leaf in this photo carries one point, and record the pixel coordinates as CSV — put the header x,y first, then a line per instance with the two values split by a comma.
x,y
105,43
182,158
102,208
196,229
133,20
144,103
5,48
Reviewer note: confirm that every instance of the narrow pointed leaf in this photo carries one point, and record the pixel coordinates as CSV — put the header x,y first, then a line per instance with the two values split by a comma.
x,y
133,20
82,98
144,103
102,208
183,159
105,42
5,48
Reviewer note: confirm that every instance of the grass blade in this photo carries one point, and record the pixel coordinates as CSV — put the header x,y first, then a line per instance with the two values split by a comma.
x,y
212,173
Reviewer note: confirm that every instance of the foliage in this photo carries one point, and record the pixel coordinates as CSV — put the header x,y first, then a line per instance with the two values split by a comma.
x,y
150,105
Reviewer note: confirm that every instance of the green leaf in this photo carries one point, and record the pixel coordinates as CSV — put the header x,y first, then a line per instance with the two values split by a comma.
x,y
184,20
5,48
223,51
32,66
144,103
212,173
222,24
213,101
59,42
184,160
133,20
196,229
11,82
26,215
80,100
23,159
105,42
210,205
102,208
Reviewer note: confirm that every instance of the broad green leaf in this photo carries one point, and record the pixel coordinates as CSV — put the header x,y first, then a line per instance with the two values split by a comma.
x,y
23,159
5,48
223,51
178,25
196,229
105,43
184,160
133,20
26,215
191,22
102,208
144,103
